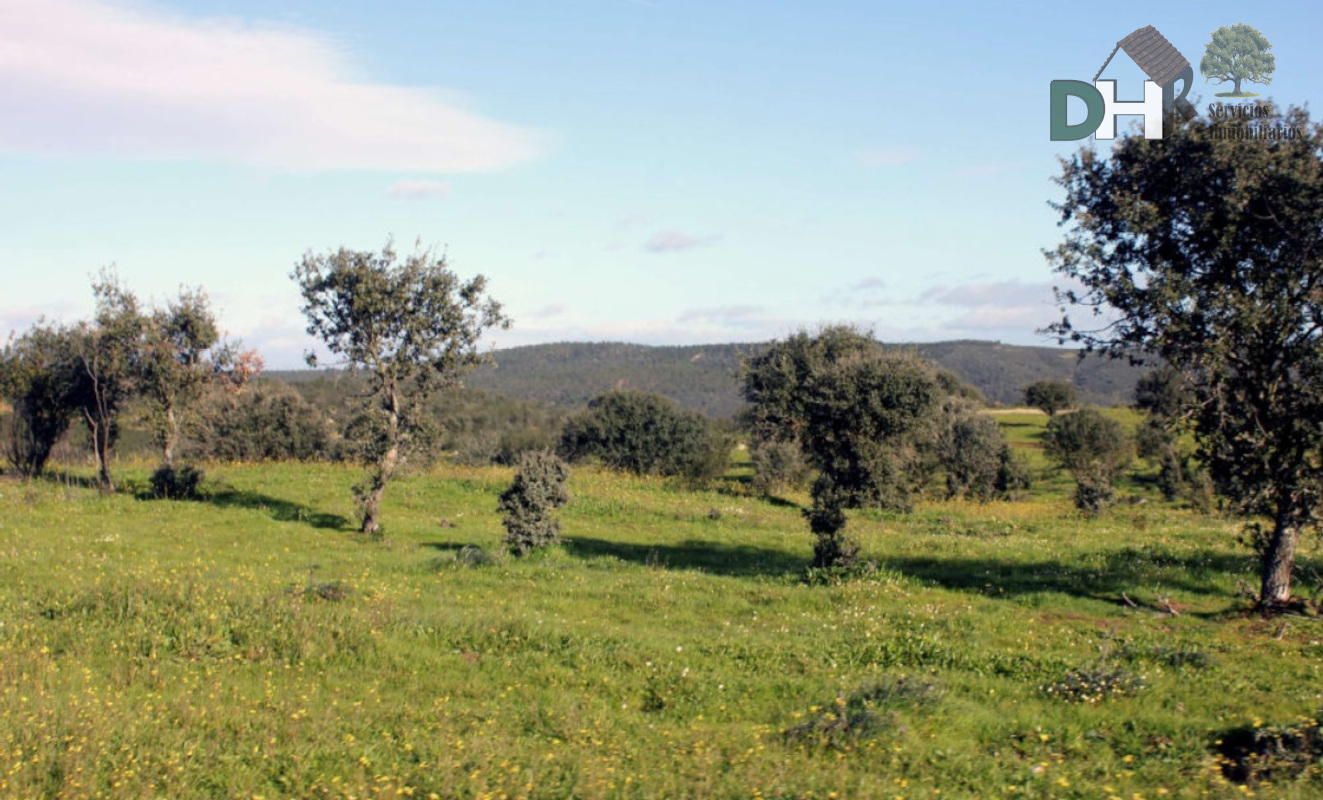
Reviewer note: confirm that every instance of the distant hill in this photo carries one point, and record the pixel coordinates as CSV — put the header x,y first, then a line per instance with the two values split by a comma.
x,y
705,377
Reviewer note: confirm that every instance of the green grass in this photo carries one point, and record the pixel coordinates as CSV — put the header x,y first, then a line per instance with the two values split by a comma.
x,y
253,645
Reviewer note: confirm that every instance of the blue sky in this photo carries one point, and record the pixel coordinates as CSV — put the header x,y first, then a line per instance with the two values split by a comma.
x,y
657,171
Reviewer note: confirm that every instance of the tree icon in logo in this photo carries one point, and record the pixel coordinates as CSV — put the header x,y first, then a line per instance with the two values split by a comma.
x,y
1238,53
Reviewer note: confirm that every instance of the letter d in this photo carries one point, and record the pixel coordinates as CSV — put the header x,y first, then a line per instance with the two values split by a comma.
x,y
1093,101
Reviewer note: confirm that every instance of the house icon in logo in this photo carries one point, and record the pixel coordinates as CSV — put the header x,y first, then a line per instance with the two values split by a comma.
x,y
1164,65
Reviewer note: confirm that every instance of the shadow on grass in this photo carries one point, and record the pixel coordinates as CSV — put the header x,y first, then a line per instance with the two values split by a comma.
x,y
280,510
1129,570
710,557
65,478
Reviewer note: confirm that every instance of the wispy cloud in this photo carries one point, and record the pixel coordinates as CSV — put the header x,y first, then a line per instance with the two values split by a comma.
x,y
84,77
999,293
673,241
887,156
419,188
553,310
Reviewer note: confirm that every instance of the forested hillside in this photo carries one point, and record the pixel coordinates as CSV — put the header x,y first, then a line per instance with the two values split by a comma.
x,y
705,377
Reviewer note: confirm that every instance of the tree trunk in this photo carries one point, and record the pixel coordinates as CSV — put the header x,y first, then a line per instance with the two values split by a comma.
x,y
372,500
171,437
383,470
1237,85
1277,563
100,430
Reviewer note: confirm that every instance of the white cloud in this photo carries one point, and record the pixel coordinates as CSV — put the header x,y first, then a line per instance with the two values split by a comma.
x,y
887,156
83,77
417,188
675,241
1000,293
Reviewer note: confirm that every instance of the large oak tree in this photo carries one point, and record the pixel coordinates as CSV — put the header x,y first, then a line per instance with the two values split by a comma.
x,y
1206,251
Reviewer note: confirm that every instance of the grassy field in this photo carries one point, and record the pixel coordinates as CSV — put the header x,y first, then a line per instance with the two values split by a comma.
x,y
252,645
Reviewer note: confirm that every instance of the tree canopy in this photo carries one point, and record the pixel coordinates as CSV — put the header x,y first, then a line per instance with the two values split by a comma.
x,y
1206,251
411,326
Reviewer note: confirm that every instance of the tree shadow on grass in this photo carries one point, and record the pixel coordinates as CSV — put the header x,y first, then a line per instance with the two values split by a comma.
x,y
280,510
695,554
62,477
1131,570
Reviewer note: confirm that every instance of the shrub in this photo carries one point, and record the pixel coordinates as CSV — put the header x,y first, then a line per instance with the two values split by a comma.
x,y
526,507
1094,684
269,422
176,483
1012,474
1094,448
856,717
645,434
971,448
778,465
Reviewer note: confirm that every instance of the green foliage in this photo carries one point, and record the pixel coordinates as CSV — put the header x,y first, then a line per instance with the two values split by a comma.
x,y
412,327
645,434
269,422
37,378
1238,53
774,380
1094,448
862,416
1013,475
527,506
181,357
107,354
866,419
1237,313
1050,396
778,465
974,455
176,483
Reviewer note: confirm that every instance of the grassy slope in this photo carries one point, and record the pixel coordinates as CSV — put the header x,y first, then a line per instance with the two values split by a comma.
x,y
186,649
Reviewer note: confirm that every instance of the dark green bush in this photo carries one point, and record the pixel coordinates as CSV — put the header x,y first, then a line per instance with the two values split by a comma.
x,y
1094,448
646,434
269,422
176,483
527,506
970,448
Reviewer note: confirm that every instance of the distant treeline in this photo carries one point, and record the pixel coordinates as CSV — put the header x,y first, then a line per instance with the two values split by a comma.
x,y
705,378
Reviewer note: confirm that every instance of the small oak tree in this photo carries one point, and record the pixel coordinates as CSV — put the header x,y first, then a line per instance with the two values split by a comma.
x,y
37,378
412,327
1207,252
1238,53
1050,396
182,357
107,356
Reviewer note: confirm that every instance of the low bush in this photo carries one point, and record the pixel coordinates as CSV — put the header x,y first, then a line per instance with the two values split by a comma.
x,y
171,483
527,506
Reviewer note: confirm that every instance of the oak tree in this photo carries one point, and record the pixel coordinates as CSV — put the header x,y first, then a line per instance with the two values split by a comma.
x,y
412,327
1205,252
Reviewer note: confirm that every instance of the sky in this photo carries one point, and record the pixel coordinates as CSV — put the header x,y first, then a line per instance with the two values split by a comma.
x,y
652,171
